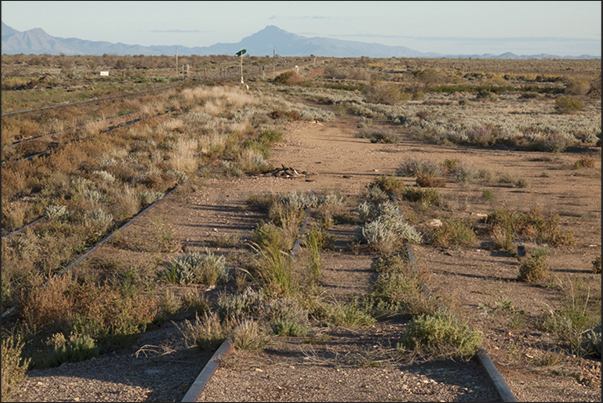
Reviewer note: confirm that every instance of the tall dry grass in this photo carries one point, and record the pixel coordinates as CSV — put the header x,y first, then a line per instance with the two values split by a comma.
x,y
184,156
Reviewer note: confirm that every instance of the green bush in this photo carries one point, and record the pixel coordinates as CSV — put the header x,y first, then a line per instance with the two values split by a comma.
x,y
379,135
488,194
379,92
442,334
535,267
388,184
531,225
568,105
400,292
13,366
194,268
271,136
77,348
575,319
338,313
456,232
428,196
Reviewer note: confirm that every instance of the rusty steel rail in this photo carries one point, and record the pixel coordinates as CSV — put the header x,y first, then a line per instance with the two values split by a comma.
x,y
102,242
86,101
227,346
27,140
37,220
501,386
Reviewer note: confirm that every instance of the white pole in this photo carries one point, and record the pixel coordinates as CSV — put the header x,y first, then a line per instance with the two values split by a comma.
x,y
241,69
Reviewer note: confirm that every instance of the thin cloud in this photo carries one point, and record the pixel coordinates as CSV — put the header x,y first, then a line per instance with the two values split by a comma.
x,y
179,31
510,39
303,17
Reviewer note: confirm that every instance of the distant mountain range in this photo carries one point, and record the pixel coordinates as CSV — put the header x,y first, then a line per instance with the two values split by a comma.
x,y
36,41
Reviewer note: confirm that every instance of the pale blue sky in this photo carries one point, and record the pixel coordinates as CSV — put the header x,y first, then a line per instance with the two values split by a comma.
x,y
561,28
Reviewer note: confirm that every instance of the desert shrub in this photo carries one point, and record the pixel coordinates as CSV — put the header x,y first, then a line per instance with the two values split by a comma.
x,y
456,232
107,313
441,334
579,87
597,265
374,194
249,335
77,348
379,92
147,197
427,196
313,241
55,212
288,78
568,105
574,317
261,202
591,341
488,194
531,225
388,184
392,264
388,230
464,175
379,135
584,162
274,269
428,181
450,165
352,313
194,268
192,299
535,267
170,303
486,95
287,317
241,305
554,143
271,136
396,292
413,167
206,333
13,365
522,183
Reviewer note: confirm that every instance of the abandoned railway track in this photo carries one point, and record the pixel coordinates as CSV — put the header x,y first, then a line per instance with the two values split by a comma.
x,y
93,248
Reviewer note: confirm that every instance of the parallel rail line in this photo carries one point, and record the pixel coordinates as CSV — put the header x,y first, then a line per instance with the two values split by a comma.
x,y
86,101
125,124
493,373
50,149
228,344
27,140
210,368
107,238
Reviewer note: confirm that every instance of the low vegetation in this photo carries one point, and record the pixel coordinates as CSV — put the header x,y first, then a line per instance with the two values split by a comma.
x,y
99,176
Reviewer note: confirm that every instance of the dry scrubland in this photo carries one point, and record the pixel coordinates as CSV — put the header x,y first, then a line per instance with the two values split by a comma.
x,y
87,189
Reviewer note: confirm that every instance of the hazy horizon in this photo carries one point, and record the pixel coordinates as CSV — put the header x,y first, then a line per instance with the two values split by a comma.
x,y
523,28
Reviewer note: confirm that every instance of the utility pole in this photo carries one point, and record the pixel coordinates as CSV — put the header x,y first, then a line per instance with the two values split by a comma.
x,y
177,60
273,63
